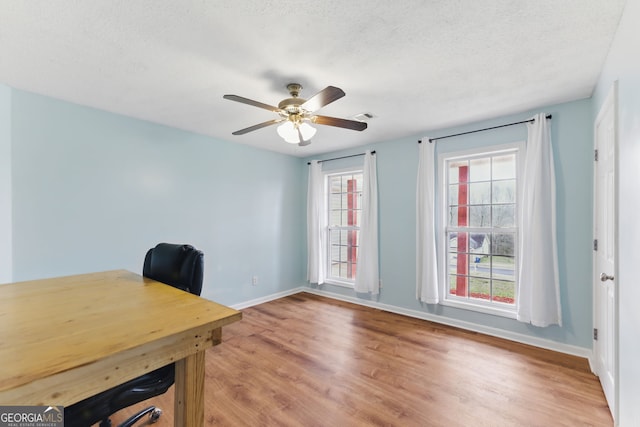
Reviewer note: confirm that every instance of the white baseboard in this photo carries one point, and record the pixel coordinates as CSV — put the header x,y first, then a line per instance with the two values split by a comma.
x,y
592,365
487,330
267,298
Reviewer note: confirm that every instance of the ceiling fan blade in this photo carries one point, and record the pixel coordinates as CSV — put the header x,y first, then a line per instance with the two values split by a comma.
x,y
251,102
258,126
322,98
341,123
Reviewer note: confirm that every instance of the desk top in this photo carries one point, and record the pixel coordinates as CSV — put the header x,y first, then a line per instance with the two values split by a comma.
x,y
51,326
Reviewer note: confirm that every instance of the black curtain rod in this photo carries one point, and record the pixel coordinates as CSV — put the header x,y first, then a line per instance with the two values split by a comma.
x,y
343,157
481,130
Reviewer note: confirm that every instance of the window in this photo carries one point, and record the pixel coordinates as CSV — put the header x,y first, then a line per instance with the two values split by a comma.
x,y
345,194
480,229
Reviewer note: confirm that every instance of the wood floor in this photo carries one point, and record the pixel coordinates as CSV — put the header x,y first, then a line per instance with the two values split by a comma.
x,y
305,360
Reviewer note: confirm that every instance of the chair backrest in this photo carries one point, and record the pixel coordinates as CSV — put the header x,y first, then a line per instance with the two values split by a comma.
x,y
180,266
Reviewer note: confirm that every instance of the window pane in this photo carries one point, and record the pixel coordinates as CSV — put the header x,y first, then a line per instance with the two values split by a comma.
x,y
480,216
354,199
343,252
354,238
453,216
480,170
335,201
335,253
503,244
480,265
504,167
335,218
452,284
463,216
480,288
345,180
472,263
504,291
343,217
459,242
458,285
454,172
335,184
351,217
504,191
335,269
453,263
503,268
343,201
453,242
504,215
480,193
453,194
479,243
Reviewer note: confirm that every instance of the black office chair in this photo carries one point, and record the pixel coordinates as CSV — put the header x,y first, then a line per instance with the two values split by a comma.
x,y
180,266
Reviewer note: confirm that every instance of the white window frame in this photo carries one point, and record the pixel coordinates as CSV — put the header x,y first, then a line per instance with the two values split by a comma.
x,y
488,307
332,280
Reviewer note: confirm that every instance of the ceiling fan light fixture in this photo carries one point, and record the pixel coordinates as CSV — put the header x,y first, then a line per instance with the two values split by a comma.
x,y
289,132
307,131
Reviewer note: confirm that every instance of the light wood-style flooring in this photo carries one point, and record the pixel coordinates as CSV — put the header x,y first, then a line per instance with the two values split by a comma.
x,y
306,360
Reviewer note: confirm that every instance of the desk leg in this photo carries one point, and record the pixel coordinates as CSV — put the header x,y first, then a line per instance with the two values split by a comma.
x,y
189,391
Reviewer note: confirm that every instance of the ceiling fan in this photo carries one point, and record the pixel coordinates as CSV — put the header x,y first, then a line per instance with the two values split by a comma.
x,y
296,114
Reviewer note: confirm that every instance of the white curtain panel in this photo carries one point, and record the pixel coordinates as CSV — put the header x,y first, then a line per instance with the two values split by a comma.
x,y
538,299
367,272
426,257
316,219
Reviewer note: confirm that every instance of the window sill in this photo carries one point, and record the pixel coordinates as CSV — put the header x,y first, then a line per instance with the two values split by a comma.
x,y
338,283
481,308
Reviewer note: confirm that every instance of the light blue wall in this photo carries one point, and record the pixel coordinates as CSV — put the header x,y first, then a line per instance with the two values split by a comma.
x,y
623,66
93,191
6,264
397,163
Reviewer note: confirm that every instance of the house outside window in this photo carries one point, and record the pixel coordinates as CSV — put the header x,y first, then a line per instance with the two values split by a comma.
x,y
344,217
479,227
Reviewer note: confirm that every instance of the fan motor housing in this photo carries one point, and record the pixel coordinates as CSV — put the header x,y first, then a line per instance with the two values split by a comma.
x,y
291,105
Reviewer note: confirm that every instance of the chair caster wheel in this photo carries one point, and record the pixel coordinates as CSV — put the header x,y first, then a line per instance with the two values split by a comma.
x,y
155,415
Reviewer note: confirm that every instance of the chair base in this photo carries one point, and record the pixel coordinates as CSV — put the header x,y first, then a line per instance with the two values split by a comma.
x,y
153,412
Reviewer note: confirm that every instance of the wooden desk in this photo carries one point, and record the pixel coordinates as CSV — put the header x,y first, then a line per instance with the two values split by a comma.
x,y
68,338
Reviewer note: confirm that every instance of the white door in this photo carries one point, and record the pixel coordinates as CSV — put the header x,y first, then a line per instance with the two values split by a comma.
x,y
605,200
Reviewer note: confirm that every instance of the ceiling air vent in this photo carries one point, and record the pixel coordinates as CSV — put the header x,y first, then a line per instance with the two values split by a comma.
x,y
363,117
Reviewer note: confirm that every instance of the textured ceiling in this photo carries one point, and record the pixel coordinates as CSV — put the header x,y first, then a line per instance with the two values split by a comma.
x,y
415,64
